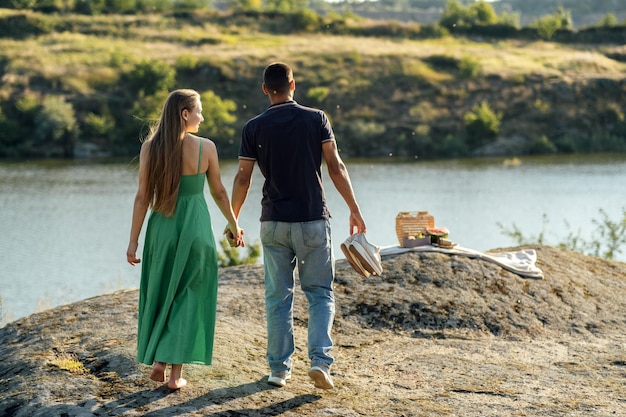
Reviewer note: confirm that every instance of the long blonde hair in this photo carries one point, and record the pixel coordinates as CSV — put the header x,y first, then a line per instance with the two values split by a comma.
x,y
165,158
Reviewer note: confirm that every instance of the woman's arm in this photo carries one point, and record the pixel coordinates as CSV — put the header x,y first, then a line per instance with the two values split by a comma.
x,y
140,207
219,193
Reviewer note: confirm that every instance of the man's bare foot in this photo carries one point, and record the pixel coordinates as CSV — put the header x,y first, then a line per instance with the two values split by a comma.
x,y
177,383
158,372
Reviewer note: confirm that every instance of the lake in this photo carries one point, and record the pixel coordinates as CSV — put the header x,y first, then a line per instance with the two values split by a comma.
x,y
65,225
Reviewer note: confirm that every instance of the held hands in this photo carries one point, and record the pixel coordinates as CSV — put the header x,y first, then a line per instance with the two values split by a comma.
x,y
234,235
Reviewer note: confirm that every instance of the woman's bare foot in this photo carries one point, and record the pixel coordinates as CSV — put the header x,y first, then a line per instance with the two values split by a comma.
x,y
158,372
176,378
177,384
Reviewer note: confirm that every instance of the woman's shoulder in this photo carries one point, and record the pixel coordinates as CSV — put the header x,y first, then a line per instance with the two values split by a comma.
x,y
201,138
145,146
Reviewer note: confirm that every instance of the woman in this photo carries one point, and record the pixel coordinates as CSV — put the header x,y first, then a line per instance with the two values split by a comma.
x,y
178,290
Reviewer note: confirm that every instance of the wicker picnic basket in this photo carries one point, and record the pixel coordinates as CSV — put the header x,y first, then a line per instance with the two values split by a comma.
x,y
411,223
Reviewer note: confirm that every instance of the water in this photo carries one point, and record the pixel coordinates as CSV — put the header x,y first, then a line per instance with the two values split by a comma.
x,y
64,226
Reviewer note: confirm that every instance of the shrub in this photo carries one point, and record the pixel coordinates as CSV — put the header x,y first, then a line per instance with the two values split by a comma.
x,y
218,117
97,126
305,20
230,256
608,20
541,145
317,94
482,125
186,62
607,240
454,15
56,124
24,25
548,25
469,67
151,76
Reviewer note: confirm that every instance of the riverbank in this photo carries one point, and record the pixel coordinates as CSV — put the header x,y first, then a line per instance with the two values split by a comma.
x,y
435,335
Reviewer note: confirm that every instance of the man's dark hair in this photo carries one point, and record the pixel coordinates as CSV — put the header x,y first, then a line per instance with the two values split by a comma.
x,y
277,77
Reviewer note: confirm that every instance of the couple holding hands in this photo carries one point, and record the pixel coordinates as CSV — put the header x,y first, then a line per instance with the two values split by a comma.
x,y
179,272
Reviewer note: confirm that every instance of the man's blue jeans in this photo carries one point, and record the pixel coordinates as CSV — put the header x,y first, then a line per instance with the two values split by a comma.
x,y
307,245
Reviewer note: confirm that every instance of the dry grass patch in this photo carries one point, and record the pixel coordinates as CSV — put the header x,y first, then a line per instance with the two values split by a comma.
x,y
67,362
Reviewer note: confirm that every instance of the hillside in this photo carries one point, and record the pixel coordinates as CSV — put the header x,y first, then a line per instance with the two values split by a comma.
x,y
583,12
75,83
435,335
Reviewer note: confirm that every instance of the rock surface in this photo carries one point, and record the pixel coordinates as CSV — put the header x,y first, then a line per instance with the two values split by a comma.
x,y
435,335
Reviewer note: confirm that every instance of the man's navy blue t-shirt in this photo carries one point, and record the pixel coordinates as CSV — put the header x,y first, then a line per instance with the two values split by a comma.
x,y
286,142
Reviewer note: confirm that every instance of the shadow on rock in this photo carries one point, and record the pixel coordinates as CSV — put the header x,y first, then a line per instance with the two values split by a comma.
x,y
143,399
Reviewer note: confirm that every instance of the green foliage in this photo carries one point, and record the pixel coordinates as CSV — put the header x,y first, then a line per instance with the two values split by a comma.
x,y
218,116
454,14
548,25
56,124
469,67
305,20
364,136
482,13
114,77
89,7
284,6
190,5
476,13
607,240
23,4
510,19
97,126
120,6
607,20
24,25
482,125
27,103
541,145
230,256
245,5
186,62
151,76
317,94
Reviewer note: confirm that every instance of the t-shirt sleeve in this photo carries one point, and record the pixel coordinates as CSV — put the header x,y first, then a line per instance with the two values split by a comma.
x,y
327,130
247,150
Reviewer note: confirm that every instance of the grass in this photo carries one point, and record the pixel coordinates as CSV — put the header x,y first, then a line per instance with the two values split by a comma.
x,y
69,54
68,362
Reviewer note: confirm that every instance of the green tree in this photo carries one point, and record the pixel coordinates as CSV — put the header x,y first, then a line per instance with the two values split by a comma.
x,y
151,76
218,117
454,15
548,25
608,20
56,124
482,125
482,13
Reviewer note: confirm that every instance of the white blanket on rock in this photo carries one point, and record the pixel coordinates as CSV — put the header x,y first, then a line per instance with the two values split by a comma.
x,y
520,262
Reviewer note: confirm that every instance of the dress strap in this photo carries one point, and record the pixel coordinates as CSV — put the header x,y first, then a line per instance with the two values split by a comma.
x,y
200,156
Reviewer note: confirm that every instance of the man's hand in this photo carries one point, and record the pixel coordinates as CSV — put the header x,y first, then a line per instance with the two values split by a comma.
x,y
235,238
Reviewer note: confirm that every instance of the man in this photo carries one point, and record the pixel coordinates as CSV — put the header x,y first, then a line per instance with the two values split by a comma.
x,y
288,142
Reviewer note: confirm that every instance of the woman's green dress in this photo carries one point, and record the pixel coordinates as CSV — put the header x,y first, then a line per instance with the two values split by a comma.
x,y
178,291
